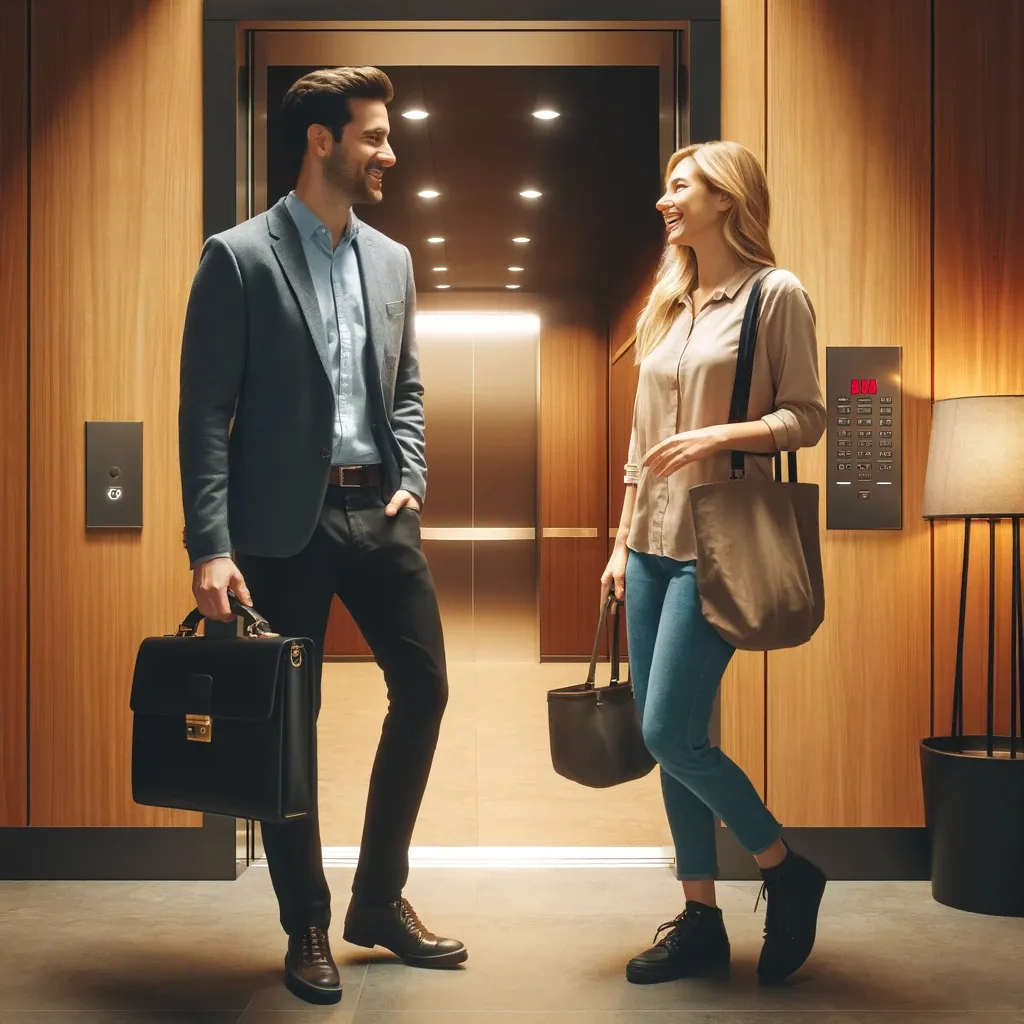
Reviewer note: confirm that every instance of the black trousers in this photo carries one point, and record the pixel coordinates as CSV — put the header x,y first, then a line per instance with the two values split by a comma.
x,y
374,564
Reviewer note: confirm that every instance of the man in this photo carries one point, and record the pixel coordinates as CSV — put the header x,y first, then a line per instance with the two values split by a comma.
x,y
301,329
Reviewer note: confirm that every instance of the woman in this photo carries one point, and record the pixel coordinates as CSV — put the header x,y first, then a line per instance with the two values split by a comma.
x,y
716,210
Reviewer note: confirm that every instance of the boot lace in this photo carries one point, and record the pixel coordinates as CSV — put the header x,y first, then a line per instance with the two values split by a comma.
x,y
679,929
315,949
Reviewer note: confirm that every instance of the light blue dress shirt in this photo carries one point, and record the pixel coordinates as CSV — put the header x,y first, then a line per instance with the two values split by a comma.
x,y
339,293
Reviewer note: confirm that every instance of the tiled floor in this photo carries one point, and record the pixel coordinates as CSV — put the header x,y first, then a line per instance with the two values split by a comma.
x,y
546,947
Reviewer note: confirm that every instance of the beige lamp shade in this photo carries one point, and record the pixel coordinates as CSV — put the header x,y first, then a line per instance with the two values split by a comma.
x,y
975,458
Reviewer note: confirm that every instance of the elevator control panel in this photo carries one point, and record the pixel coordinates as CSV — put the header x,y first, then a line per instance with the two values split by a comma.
x,y
864,475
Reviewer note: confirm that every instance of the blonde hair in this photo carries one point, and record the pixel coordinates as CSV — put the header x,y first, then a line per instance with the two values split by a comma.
x,y
725,167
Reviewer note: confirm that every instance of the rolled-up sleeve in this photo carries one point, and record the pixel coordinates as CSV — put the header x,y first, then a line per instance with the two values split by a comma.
x,y
790,339
635,454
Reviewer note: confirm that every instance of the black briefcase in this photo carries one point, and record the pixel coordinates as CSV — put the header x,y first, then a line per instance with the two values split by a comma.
x,y
595,732
225,724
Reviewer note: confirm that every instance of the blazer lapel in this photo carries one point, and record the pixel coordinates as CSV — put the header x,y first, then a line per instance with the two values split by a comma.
x,y
288,249
373,296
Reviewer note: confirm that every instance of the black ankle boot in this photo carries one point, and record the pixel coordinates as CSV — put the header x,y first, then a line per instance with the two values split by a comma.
x,y
695,944
793,891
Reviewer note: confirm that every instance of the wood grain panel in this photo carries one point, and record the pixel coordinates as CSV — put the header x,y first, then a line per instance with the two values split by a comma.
x,y
742,702
13,410
743,73
573,473
849,169
979,303
116,233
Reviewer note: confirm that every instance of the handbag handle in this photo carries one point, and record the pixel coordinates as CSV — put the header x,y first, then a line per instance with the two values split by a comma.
x,y
612,604
255,624
741,385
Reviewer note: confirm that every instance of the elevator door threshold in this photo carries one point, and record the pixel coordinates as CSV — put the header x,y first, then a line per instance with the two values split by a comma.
x,y
517,857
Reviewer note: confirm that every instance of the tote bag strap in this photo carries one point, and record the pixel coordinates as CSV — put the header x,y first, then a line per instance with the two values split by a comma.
x,y
744,376
612,604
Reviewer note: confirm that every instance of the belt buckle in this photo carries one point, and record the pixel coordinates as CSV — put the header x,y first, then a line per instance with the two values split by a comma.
x,y
342,471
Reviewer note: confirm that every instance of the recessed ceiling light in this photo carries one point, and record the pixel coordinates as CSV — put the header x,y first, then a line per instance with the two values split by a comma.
x,y
516,270
511,287
546,114
428,193
520,240
443,286
527,193
435,240
415,114
440,270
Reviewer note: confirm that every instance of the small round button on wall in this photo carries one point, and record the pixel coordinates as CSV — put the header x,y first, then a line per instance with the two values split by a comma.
x,y
115,472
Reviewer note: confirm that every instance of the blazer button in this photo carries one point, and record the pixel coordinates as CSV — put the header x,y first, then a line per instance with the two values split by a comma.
x,y
325,453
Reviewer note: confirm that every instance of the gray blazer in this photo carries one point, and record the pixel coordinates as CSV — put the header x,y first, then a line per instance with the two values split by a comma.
x,y
256,411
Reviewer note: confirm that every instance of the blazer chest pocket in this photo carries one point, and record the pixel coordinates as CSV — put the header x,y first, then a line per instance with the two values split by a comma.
x,y
396,308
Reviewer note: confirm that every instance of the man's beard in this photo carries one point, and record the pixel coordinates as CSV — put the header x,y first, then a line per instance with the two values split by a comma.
x,y
352,183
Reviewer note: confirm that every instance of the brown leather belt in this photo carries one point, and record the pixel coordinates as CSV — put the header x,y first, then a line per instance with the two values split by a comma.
x,y
355,476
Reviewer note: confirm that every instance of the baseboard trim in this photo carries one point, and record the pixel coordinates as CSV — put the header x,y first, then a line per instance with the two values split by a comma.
x,y
517,857
219,851
215,851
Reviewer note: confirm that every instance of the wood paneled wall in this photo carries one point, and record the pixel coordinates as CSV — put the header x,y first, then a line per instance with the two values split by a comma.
x,y
573,472
13,411
852,212
116,232
979,301
742,703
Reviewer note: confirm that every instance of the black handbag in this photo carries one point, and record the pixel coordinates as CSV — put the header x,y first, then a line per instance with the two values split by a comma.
x,y
225,724
595,732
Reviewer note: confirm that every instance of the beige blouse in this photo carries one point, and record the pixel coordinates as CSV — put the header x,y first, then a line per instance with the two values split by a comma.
x,y
686,383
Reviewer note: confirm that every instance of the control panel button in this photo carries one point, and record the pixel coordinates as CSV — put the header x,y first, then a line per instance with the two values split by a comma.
x,y
885,421
885,444
885,467
864,423
864,433
885,401
863,465
865,444
843,466
842,433
885,433
843,422
864,495
885,455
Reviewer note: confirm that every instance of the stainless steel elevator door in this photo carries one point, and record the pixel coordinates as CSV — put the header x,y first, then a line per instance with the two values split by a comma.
x,y
479,525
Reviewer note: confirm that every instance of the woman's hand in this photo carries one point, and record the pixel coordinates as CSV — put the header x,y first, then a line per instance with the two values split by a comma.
x,y
614,575
669,456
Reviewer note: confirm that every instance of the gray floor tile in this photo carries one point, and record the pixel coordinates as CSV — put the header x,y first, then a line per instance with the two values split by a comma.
x,y
670,1017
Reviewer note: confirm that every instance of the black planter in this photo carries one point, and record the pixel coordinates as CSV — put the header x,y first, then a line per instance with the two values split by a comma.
x,y
974,811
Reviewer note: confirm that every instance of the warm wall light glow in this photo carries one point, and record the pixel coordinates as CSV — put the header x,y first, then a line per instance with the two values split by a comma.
x,y
530,193
516,270
443,286
435,240
428,193
440,270
476,323
546,115
414,115
511,287
520,240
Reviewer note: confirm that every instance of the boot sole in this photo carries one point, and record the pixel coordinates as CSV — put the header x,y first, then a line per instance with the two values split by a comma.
x,y
310,993
777,980
637,975
451,959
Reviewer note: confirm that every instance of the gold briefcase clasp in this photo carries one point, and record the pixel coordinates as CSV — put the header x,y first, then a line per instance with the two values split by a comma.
x,y
199,728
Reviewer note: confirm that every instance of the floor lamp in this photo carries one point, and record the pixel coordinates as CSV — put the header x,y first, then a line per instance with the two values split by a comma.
x,y
974,785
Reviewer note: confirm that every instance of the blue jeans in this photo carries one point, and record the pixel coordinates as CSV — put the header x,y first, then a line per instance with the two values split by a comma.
x,y
677,661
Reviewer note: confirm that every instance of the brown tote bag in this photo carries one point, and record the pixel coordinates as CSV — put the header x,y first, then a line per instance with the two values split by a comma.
x,y
758,548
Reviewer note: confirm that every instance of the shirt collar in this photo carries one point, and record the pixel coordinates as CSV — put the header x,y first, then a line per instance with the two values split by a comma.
x,y
731,287
308,223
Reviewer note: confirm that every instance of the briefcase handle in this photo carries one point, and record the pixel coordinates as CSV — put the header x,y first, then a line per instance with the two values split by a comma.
x,y
612,603
255,624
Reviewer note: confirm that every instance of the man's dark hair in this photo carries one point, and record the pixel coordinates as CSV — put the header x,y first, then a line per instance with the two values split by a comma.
x,y
321,97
